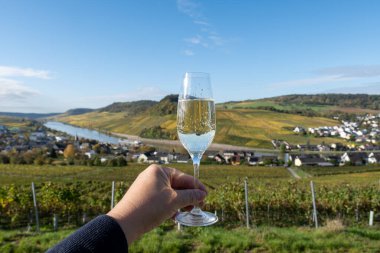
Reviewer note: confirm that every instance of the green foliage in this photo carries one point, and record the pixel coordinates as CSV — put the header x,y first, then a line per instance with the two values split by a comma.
x,y
129,108
274,198
157,133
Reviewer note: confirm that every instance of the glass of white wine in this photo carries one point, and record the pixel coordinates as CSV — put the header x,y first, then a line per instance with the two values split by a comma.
x,y
196,127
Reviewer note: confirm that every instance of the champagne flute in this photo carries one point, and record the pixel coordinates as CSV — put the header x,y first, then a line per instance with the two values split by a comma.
x,y
196,129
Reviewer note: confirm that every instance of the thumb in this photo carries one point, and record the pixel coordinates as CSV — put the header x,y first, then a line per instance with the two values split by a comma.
x,y
189,197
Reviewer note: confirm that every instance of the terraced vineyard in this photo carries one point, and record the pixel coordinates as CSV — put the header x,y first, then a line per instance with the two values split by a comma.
x,y
75,194
275,198
245,127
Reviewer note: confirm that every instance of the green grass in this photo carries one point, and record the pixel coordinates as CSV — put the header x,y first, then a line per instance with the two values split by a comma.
x,y
270,103
16,122
323,171
216,239
256,104
210,174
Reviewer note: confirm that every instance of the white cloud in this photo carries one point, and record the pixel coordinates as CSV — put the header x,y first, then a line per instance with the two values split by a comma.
x,y
217,40
194,40
15,94
333,75
211,39
365,88
197,40
309,81
12,89
201,23
354,71
188,52
6,71
189,7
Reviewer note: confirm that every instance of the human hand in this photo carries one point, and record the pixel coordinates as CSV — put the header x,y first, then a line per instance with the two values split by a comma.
x,y
155,195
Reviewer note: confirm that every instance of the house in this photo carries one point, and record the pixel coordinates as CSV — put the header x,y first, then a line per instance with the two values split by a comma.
x,y
356,158
85,146
153,159
253,160
374,158
181,158
164,157
268,160
142,158
323,148
3,129
90,154
220,158
148,158
36,136
227,154
211,154
299,130
311,161
235,160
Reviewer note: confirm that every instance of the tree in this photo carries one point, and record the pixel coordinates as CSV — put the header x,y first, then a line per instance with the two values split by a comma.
x,y
69,151
121,161
97,148
4,159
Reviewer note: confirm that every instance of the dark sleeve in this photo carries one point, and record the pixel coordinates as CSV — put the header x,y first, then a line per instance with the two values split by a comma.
x,y
102,234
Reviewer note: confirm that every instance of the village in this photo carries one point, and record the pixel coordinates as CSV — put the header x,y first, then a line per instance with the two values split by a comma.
x,y
41,145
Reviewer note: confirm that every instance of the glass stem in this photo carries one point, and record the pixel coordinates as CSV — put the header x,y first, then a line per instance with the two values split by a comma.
x,y
196,162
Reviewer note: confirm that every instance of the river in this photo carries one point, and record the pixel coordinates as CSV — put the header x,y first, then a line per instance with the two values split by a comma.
x,y
82,132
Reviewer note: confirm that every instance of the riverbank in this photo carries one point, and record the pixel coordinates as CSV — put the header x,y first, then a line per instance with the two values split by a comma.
x,y
177,143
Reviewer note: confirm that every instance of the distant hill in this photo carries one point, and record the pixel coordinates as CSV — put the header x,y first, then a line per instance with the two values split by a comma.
x,y
167,106
78,111
363,101
325,105
252,123
28,115
129,107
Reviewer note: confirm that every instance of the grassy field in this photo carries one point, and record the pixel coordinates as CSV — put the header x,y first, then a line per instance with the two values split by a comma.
x,y
271,103
245,127
256,104
331,238
14,122
210,174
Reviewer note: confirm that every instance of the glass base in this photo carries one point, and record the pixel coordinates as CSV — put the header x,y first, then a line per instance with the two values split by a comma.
x,y
201,218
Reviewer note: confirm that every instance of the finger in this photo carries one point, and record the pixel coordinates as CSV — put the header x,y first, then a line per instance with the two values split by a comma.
x,y
174,215
188,208
188,197
180,180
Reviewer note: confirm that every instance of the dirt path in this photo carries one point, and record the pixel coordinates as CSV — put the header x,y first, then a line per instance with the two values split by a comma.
x,y
293,173
214,146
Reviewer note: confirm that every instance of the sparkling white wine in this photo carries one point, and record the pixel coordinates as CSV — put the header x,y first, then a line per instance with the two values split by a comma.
x,y
196,124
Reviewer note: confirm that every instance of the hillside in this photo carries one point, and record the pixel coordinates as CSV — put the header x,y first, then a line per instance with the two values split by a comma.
x,y
28,115
325,105
78,111
237,126
129,107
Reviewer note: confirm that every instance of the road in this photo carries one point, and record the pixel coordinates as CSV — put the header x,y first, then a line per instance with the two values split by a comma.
x,y
214,146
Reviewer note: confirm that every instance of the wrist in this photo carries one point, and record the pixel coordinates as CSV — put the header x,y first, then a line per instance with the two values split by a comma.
x,y
127,224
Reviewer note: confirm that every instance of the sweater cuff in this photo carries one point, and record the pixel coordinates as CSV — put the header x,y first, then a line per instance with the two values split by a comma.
x,y
102,234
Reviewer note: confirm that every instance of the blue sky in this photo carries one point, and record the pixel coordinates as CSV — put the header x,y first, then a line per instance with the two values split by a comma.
x,y
57,55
